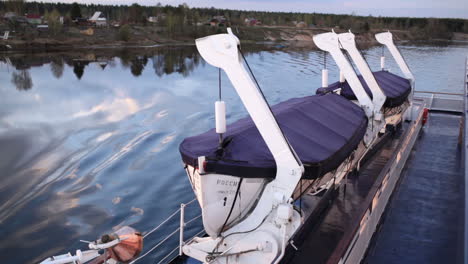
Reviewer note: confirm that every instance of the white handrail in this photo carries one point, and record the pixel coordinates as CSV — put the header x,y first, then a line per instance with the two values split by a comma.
x,y
168,236
172,252
156,246
167,219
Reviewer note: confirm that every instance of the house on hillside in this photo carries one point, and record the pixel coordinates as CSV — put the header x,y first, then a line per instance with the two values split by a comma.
x,y
9,15
83,22
301,24
98,19
157,19
14,18
217,21
34,19
252,22
214,22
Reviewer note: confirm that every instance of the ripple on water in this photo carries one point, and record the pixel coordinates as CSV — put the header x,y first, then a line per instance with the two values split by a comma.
x,y
87,148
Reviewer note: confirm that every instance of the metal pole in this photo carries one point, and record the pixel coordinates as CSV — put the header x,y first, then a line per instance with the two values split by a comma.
x,y
182,225
465,159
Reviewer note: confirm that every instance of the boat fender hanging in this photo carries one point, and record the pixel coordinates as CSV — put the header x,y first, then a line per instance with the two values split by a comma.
x,y
324,78
342,78
220,116
201,164
382,63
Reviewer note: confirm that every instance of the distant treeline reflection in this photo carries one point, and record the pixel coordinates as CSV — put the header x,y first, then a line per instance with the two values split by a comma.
x,y
163,60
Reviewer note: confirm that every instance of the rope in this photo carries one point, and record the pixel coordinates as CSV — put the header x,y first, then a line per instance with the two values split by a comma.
x,y
264,98
219,83
324,59
219,95
232,206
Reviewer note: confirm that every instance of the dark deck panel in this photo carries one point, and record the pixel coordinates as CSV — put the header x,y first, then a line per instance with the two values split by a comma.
x,y
425,216
324,237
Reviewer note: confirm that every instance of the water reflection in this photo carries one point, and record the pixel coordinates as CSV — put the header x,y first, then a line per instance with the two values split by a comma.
x,y
78,68
56,66
89,140
165,60
22,80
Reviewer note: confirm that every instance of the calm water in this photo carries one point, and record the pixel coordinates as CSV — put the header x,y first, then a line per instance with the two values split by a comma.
x,y
89,139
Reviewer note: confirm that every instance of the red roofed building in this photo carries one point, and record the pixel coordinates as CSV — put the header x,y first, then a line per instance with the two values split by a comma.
x,y
34,18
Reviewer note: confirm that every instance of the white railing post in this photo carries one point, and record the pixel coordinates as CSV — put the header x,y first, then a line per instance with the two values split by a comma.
x,y
182,225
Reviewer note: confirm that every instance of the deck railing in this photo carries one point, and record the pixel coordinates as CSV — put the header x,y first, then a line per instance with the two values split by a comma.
x,y
441,101
180,230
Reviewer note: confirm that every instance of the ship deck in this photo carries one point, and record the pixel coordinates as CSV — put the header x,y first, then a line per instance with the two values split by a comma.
x,y
331,228
425,218
423,221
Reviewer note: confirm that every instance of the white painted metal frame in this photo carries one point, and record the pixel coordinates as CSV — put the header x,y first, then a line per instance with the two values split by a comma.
x,y
386,38
222,51
347,41
274,205
329,42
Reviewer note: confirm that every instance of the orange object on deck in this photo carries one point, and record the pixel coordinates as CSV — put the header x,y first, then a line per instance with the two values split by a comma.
x,y
130,246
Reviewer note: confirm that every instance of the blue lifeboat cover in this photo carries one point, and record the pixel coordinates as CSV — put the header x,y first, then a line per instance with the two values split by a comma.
x,y
323,130
396,88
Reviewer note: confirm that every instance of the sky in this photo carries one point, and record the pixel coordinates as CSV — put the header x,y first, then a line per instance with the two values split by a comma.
x,y
411,8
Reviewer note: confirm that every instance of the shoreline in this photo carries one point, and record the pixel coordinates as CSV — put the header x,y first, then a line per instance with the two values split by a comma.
x,y
145,37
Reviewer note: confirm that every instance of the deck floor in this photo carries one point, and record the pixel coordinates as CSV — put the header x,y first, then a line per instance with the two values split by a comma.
x,y
424,221
323,238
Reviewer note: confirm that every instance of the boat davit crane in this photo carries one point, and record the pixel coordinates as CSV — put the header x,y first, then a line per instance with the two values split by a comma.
x,y
330,42
266,230
261,227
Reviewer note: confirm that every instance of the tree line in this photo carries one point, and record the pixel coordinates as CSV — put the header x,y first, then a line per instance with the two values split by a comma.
x,y
185,19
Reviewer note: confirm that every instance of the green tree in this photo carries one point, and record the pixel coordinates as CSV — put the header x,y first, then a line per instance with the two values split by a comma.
x,y
124,33
75,11
16,6
53,20
366,27
134,13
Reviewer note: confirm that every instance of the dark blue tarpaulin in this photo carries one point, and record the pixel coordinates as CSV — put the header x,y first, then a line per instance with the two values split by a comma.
x,y
322,129
396,88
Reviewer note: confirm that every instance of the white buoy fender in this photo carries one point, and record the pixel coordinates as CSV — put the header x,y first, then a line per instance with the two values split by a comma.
x,y
342,78
220,116
324,78
382,62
